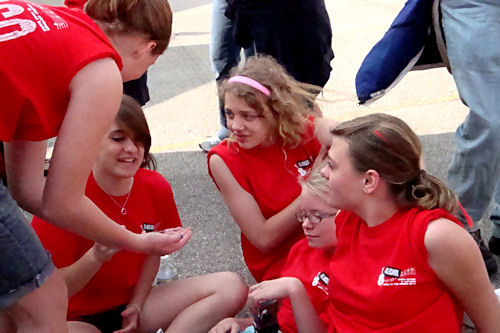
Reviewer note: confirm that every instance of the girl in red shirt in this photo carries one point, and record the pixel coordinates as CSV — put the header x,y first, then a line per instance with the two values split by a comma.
x,y
403,263
272,141
111,289
303,286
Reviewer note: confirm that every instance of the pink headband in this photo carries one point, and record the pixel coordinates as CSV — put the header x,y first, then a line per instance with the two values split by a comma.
x,y
250,82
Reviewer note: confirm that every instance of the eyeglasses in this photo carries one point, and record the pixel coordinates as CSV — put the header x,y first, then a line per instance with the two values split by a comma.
x,y
314,217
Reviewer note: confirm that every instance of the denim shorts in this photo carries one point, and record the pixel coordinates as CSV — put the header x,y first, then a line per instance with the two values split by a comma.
x,y
24,263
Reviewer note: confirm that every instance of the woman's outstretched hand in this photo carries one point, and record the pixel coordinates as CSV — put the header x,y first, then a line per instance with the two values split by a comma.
x,y
166,241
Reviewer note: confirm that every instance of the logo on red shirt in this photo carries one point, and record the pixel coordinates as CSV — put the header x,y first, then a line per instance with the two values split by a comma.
x,y
391,276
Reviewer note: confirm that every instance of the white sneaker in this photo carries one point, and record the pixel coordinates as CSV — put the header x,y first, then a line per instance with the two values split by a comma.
x,y
211,142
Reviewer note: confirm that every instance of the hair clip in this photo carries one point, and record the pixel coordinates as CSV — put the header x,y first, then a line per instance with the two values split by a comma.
x,y
377,133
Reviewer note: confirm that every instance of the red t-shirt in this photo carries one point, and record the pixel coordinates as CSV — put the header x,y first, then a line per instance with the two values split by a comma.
x,y
41,49
270,176
381,280
311,267
151,205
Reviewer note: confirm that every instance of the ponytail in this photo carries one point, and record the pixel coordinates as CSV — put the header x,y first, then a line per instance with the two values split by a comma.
x,y
429,192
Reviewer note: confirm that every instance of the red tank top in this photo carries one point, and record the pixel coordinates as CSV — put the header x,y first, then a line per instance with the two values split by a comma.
x,y
270,175
41,49
381,280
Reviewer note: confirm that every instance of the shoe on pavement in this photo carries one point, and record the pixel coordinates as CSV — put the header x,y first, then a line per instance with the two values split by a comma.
x,y
489,261
210,143
494,245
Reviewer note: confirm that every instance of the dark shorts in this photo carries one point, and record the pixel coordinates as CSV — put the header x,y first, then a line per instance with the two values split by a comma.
x,y
106,322
24,263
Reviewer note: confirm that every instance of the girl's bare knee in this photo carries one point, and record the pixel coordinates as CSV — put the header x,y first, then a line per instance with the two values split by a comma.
x,y
81,327
233,289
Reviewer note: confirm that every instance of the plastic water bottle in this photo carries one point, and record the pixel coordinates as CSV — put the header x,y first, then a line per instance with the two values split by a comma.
x,y
167,272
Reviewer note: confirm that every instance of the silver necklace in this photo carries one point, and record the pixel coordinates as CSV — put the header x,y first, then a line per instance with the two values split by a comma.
x,y
122,208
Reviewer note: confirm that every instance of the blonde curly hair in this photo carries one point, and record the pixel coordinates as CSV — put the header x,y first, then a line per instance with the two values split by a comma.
x,y
290,101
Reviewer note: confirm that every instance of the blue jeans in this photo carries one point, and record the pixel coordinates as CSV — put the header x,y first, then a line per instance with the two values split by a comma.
x,y
472,32
24,263
224,52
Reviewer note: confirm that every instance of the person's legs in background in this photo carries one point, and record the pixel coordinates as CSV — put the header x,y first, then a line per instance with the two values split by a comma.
x,y
472,31
224,55
138,89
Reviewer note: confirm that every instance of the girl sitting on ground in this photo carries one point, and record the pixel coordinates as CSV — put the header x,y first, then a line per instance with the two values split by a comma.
x,y
403,262
111,289
303,285
272,141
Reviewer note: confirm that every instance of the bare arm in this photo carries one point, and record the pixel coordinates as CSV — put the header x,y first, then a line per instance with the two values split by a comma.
x,y
305,315
95,97
132,314
457,261
24,163
148,274
78,274
322,127
263,234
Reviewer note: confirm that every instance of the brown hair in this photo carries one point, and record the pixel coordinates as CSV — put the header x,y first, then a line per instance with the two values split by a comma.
x,y
290,101
151,18
132,120
388,145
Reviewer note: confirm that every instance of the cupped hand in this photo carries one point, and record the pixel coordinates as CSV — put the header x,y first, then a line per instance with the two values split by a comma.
x,y
130,320
166,241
